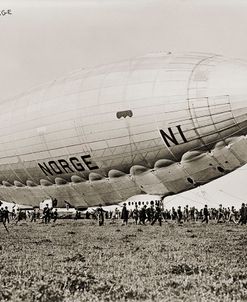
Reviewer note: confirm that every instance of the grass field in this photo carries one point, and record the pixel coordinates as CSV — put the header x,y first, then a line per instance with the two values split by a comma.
x,y
80,261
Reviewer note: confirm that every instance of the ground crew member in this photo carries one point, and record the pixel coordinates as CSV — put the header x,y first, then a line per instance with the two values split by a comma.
x,y
6,215
205,214
55,215
38,214
13,215
232,215
143,215
186,213
101,217
46,214
1,214
243,214
192,214
152,213
19,215
157,216
220,214
33,216
148,214
135,214
78,215
179,214
174,214
125,214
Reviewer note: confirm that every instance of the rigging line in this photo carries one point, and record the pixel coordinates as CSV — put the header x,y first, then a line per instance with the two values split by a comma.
x,y
209,196
170,199
130,143
196,201
202,195
133,146
231,195
205,195
187,198
132,63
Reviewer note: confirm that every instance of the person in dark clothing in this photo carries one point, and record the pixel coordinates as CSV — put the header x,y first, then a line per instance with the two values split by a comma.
x,y
243,214
205,214
174,214
38,214
186,213
232,215
125,214
148,213
192,214
54,202
152,212
179,214
220,214
55,215
6,215
157,216
1,214
13,214
143,215
47,214
78,215
101,216
135,214
33,216
19,216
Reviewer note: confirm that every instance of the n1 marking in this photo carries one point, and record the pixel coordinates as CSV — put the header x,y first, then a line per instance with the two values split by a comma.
x,y
171,137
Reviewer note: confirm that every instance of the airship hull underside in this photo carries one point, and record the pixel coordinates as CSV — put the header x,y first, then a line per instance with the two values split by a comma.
x,y
165,178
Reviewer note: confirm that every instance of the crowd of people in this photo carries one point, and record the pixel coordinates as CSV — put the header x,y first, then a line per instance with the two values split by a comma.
x,y
139,215
46,215
149,215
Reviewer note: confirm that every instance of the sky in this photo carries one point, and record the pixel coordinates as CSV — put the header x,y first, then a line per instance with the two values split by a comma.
x,y
44,40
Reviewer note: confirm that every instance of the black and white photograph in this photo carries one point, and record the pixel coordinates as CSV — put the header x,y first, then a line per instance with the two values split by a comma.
x,y
123,150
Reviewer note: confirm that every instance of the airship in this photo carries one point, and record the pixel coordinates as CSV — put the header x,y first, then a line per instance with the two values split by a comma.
x,y
159,124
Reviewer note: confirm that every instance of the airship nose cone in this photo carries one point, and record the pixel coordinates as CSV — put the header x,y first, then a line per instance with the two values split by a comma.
x,y
228,82
217,98
239,111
